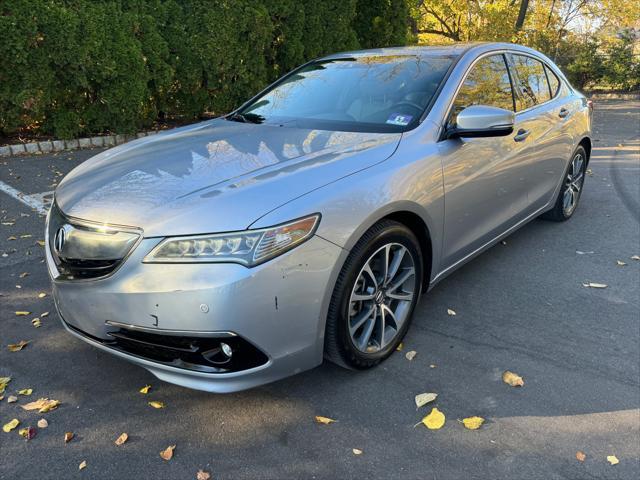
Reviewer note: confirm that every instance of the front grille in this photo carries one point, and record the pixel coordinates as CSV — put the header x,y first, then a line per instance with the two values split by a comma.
x,y
75,267
202,354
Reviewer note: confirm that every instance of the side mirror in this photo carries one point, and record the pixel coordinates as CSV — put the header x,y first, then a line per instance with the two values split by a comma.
x,y
482,121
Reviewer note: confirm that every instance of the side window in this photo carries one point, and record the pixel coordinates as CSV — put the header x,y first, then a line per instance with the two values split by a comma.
x,y
486,84
531,80
554,83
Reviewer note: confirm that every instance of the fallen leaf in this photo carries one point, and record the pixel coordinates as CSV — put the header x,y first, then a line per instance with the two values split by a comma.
x,y
45,314
451,312
7,427
580,456
11,238
324,420
424,398
589,172
473,423
28,432
26,236
357,451
594,285
202,475
620,263
36,322
42,295
43,405
83,464
145,389
512,379
612,459
435,420
4,381
410,355
635,257
24,274
22,313
25,391
12,399
433,365
40,242
16,347
167,453
42,423
68,436
579,252
121,439
400,347
155,404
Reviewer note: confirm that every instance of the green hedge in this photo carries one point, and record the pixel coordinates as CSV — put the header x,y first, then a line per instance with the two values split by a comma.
x,y
75,67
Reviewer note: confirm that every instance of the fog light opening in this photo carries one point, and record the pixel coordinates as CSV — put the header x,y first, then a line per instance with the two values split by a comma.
x,y
226,349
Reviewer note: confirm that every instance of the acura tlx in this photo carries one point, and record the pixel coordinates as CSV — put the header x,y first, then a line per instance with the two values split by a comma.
x,y
306,224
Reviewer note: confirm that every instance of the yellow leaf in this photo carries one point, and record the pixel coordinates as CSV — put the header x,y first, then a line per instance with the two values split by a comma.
x,y
36,322
26,236
22,313
410,355
82,465
42,295
473,423
145,389
45,314
512,379
43,405
202,475
594,285
11,425
167,453
4,381
25,391
580,456
324,420
155,404
42,423
435,420
357,451
68,436
121,439
451,312
612,459
16,347
40,242
400,347
424,398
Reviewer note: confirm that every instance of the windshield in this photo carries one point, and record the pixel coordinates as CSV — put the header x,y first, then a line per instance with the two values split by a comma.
x,y
378,93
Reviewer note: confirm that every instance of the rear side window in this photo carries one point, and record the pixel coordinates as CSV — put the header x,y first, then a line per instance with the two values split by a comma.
x,y
486,84
554,83
531,80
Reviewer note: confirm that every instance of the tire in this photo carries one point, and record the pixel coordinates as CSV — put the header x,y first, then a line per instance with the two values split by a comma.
x,y
389,302
572,184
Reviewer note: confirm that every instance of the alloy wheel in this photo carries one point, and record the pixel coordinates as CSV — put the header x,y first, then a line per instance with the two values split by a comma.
x,y
381,298
573,184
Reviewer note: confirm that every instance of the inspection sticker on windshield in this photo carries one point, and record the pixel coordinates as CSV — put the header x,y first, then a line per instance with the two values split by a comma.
x,y
399,119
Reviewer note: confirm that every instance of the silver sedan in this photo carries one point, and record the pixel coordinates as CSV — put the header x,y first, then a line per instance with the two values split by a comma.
x,y
307,223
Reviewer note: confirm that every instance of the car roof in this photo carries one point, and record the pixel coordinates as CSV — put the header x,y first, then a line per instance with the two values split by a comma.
x,y
454,49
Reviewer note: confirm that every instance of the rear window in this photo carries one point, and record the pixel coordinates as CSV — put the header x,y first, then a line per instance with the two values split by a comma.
x,y
531,80
554,83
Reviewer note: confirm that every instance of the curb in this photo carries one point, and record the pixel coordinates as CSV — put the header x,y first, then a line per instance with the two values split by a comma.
x,y
613,96
51,146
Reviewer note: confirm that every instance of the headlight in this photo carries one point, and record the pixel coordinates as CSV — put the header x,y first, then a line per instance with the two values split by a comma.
x,y
249,248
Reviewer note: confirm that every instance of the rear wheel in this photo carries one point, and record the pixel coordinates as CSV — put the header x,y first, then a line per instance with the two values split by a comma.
x,y
571,189
374,297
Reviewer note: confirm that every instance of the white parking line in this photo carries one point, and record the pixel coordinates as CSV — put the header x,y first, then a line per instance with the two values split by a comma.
x,y
36,201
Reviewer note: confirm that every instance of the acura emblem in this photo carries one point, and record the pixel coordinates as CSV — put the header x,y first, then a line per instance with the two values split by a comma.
x,y
59,239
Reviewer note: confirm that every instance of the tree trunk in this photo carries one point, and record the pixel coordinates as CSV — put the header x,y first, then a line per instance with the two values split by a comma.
x,y
524,5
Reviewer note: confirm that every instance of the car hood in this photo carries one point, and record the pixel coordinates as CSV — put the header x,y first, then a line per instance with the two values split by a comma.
x,y
213,176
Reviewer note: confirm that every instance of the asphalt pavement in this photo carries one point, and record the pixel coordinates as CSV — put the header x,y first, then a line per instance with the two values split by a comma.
x,y
521,306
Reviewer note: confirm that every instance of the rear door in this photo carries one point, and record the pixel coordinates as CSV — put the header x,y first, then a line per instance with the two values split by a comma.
x,y
542,111
484,181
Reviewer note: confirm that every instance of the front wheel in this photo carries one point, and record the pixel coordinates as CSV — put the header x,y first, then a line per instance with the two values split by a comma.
x,y
571,189
374,296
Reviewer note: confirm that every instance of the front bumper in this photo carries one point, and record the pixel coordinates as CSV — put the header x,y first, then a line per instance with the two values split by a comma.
x,y
278,307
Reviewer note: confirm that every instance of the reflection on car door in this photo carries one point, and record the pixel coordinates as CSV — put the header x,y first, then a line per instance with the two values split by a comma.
x,y
484,179
543,111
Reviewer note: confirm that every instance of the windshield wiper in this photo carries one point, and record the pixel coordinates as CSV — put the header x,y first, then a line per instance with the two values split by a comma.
x,y
246,118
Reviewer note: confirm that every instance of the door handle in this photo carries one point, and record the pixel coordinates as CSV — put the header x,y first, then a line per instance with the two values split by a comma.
x,y
563,112
521,135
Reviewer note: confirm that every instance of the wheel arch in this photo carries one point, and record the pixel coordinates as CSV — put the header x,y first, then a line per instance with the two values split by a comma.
x,y
586,144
